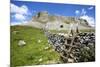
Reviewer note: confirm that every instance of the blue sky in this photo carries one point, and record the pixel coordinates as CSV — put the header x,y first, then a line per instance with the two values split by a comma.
x,y
23,11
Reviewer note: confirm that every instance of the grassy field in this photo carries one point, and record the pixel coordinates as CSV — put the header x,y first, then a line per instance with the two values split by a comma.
x,y
34,52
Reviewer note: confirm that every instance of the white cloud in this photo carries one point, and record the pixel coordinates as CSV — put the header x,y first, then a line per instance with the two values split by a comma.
x,y
83,15
83,12
21,10
80,12
18,23
20,13
15,23
77,12
90,8
89,19
19,17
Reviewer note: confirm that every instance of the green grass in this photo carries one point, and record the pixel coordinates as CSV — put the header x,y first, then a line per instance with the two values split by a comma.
x,y
66,31
32,51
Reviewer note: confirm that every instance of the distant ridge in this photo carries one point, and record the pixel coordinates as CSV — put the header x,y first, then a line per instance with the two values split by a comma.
x,y
54,22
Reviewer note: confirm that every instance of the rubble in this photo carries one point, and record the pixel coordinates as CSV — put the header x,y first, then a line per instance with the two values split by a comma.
x,y
80,48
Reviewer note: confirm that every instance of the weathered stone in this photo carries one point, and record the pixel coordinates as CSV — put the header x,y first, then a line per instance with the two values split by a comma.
x,y
73,49
21,43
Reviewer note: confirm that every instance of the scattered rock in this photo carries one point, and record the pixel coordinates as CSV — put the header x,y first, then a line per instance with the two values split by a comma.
x,y
39,41
40,59
70,60
21,43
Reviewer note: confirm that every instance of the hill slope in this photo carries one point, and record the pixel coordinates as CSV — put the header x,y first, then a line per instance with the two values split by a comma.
x,y
55,21
36,51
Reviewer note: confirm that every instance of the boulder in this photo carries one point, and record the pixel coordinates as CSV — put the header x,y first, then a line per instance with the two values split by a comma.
x,y
21,43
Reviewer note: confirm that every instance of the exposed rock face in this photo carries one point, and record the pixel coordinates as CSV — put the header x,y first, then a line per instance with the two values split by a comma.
x,y
42,17
55,22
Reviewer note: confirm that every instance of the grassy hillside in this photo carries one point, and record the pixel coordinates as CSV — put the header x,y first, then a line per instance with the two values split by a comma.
x,y
33,52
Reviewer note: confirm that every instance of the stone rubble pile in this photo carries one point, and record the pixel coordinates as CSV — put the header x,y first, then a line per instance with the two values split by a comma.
x,y
78,48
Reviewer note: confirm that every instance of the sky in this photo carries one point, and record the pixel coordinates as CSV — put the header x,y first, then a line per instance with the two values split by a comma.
x,y
22,12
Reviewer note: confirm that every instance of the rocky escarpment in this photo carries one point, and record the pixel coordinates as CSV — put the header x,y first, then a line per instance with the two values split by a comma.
x,y
56,22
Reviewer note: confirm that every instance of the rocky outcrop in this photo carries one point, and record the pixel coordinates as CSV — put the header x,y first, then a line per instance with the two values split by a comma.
x,y
54,22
